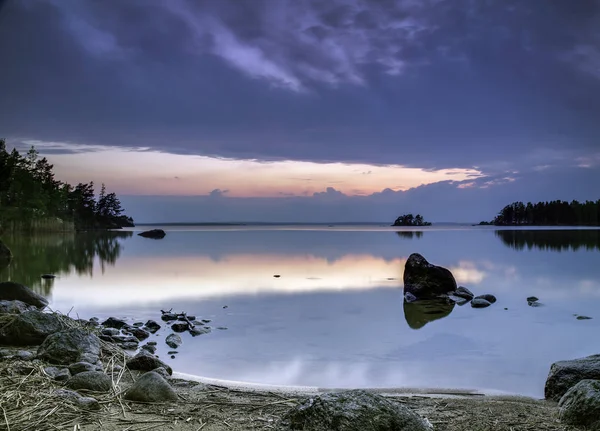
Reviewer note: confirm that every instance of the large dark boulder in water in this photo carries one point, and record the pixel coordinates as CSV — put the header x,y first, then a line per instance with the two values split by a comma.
x,y
419,313
11,291
566,374
29,328
154,234
70,346
580,406
352,411
424,280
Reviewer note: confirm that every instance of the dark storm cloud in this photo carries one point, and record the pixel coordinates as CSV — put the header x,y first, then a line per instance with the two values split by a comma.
x,y
433,84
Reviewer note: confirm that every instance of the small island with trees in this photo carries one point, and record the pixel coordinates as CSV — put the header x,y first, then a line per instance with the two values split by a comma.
x,y
553,213
410,220
32,199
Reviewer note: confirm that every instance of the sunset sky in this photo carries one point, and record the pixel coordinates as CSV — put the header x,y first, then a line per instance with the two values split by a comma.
x,y
300,110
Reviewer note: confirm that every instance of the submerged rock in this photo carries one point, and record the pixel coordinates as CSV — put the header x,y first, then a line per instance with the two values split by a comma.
x,y
151,388
152,326
564,375
353,411
173,341
138,333
580,406
583,318
93,381
424,280
489,298
113,322
465,293
200,330
153,233
70,346
480,303
144,361
10,291
30,328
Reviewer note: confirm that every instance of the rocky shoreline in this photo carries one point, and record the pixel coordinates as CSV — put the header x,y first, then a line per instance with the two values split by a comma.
x,y
57,372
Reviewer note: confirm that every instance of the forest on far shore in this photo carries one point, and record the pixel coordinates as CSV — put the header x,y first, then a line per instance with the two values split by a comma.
x,y
29,193
554,213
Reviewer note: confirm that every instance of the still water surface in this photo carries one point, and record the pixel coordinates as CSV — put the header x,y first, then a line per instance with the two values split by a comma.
x,y
335,317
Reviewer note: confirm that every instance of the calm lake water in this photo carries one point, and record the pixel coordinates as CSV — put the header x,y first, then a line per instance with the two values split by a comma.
x,y
335,317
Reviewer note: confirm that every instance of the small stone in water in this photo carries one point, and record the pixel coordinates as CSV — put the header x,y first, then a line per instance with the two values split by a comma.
x,y
172,352
222,328
138,324
172,356
583,318
532,299
225,306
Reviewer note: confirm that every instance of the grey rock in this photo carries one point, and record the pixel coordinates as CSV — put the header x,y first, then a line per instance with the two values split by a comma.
x,y
480,303
149,348
51,371
153,234
152,326
144,361
151,387
25,355
465,293
489,298
138,333
93,381
580,406
564,375
111,332
352,411
173,341
180,326
129,345
425,280
63,375
86,403
80,367
30,328
11,291
162,372
113,322
15,307
70,346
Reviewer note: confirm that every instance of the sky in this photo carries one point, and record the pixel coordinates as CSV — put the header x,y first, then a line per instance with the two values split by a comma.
x,y
308,111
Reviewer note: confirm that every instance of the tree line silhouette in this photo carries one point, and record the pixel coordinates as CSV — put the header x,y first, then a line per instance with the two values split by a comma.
x,y
554,213
29,192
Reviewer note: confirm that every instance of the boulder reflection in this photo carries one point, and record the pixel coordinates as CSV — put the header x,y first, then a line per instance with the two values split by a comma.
x,y
419,313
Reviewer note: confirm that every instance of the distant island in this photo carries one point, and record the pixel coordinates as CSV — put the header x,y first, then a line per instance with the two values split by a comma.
x,y
32,199
554,213
410,220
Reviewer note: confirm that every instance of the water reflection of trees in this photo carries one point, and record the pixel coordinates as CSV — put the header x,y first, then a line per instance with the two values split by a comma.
x,y
409,234
557,240
58,254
